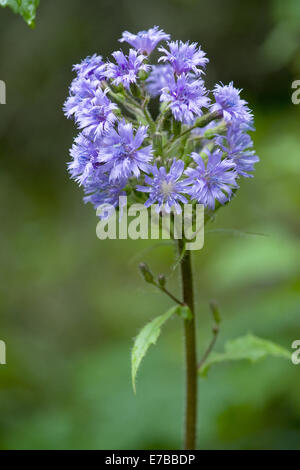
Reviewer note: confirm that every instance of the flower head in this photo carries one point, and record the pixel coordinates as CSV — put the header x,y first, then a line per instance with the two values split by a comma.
x,y
99,190
90,72
229,102
82,91
98,116
186,97
238,146
165,188
84,155
91,67
126,69
213,181
159,78
122,152
113,155
184,57
145,41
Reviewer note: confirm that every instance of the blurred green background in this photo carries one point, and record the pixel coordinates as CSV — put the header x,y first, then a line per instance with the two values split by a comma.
x,y
71,304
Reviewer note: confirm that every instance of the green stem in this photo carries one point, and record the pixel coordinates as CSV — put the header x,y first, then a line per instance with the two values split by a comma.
x,y
142,109
190,351
169,294
200,122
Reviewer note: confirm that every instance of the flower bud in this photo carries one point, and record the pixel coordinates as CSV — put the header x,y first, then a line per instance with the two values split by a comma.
x,y
146,273
135,90
143,75
162,280
214,308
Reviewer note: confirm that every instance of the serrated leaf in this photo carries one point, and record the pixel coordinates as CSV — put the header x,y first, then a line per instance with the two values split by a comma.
x,y
247,347
25,8
147,336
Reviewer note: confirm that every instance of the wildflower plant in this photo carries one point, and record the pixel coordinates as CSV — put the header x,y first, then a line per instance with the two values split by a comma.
x,y
193,150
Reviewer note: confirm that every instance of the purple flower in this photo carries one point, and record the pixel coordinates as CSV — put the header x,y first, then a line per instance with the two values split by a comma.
x,y
165,188
159,78
122,152
126,69
84,155
91,67
145,41
90,72
228,100
82,91
98,116
184,57
99,190
186,97
213,181
238,146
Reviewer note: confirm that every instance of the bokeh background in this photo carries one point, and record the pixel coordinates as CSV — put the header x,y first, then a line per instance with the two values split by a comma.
x,y
71,304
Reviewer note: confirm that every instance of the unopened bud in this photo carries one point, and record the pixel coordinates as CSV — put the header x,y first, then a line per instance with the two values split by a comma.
x,y
146,273
143,75
164,107
162,280
215,311
207,118
135,90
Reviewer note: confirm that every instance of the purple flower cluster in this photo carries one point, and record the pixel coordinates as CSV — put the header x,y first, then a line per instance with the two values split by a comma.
x,y
182,89
116,151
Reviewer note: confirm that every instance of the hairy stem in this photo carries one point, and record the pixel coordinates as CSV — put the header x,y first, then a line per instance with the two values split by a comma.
x,y
190,352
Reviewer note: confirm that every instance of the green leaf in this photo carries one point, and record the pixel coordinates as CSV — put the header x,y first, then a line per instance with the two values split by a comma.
x,y
246,347
147,336
25,8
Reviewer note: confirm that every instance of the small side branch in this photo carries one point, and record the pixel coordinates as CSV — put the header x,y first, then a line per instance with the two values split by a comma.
x,y
210,347
169,294
160,283
215,330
